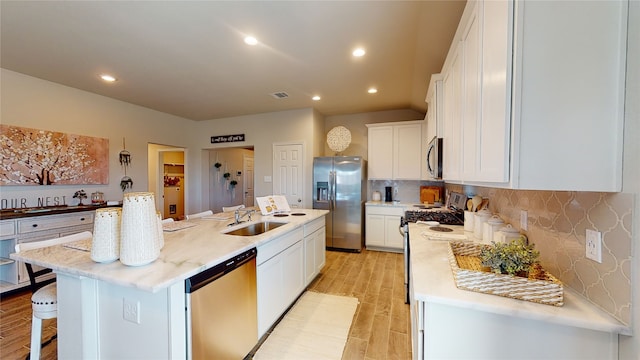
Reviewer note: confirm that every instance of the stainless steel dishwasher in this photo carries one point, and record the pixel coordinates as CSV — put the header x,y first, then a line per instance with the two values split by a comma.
x,y
221,314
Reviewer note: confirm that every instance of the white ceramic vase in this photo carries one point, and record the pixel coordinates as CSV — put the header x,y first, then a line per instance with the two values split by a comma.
x,y
105,246
139,242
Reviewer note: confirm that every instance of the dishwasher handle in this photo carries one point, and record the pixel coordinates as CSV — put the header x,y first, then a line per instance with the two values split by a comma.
x,y
212,274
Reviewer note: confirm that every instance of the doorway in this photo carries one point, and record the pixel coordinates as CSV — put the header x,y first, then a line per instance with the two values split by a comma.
x,y
231,177
167,174
288,172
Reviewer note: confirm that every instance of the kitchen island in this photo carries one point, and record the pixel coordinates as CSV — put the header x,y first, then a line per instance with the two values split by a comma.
x,y
92,296
451,323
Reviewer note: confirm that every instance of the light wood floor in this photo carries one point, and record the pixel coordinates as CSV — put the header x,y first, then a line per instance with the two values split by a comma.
x,y
380,329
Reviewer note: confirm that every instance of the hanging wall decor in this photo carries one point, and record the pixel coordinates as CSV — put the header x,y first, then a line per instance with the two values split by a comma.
x,y
125,160
42,157
339,138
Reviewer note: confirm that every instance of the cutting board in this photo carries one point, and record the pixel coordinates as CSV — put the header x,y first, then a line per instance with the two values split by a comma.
x,y
430,194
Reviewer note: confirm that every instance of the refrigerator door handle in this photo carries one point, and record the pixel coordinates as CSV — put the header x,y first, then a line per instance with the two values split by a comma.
x,y
332,190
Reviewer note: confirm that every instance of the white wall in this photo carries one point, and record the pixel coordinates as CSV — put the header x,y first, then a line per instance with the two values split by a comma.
x,y
356,123
30,102
261,131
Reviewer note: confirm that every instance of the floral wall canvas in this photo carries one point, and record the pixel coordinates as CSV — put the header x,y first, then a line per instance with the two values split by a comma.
x,y
41,157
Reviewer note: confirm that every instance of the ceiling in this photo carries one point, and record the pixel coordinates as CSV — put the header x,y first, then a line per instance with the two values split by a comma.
x,y
188,58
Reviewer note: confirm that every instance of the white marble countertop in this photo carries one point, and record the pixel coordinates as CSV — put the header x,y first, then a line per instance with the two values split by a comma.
x,y
392,203
186,252
432,281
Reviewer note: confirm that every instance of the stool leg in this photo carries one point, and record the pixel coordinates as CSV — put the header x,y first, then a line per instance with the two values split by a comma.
x,y
36,333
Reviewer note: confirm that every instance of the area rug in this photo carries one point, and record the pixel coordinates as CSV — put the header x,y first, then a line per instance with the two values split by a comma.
x,y
315,328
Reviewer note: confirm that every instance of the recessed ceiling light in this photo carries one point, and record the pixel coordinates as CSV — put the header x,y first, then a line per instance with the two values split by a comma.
x,y
372,90
250,40
316,98
107,78
358,52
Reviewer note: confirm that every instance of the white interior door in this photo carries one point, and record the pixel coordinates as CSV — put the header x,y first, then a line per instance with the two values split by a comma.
x,y
247,171
288,166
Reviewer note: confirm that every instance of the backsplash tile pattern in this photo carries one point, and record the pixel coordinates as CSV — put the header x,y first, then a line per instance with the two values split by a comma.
x,y
557,223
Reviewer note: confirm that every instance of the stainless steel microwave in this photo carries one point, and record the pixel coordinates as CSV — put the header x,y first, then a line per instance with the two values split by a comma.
x,y
434,158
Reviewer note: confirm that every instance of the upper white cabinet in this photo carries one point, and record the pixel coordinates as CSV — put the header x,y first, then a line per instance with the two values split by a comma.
x,y
433,119
452,117
395,150
541,103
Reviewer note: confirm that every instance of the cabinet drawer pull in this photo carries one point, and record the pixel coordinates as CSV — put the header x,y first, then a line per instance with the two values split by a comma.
x,y
35,225
81,219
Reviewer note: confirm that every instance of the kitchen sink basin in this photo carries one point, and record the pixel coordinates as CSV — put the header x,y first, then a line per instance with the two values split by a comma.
x,y
255,228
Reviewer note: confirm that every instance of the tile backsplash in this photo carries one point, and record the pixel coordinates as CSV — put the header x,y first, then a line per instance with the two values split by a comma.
x,y
557,224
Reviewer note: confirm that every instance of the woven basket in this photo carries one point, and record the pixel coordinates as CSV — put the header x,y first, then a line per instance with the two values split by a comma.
x,y
469,274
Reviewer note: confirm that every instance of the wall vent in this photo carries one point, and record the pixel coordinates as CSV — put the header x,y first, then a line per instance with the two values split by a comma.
x,y
280,95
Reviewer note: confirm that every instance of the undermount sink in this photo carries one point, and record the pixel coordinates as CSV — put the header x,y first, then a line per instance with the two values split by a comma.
x,y
255,228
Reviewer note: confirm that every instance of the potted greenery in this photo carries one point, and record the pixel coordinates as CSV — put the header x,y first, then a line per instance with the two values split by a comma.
x,y
80,194
226,175
513,258
233,183
217,165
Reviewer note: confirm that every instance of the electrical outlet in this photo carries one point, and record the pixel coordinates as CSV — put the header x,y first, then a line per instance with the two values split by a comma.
x,y
594,245
131,311
524,218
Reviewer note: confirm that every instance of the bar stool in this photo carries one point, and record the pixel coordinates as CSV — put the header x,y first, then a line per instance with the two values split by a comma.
x,y
44,301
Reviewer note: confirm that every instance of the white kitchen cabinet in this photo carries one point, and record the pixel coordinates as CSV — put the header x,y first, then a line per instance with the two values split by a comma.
x,y
280,277
13,275
550,107
380,152
395,150
452,117
314,248
471,79
433,119
8,240
568,113
382,227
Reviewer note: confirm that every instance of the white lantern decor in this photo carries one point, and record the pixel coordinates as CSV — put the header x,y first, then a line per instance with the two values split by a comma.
x,y
139,242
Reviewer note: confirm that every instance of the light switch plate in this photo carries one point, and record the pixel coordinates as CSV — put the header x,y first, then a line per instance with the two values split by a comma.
x,y
594,245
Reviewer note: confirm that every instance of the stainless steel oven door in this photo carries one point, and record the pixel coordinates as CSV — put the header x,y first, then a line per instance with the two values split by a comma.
x,y
434,158
404,230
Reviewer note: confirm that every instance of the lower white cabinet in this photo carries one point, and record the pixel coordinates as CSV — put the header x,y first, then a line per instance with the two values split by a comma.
x,y
314,249
13,275
381,227
280,277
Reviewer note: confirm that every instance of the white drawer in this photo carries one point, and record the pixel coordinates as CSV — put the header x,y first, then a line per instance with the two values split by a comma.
x,y
43,223
311,227
278,245
7,227
386,210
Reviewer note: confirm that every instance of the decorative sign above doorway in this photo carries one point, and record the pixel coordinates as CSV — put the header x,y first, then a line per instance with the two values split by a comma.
x,y
227,138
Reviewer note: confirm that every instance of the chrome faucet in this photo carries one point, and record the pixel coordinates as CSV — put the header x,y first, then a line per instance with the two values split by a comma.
x,y
246,213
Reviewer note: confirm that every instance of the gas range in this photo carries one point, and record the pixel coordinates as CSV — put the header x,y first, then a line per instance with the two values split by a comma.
x,y
443,216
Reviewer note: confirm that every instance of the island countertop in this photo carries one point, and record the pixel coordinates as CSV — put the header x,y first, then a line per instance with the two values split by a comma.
x,y
186,252
432,281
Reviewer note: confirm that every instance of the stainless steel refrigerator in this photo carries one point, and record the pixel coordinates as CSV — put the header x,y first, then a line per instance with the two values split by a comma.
x,y
340,186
